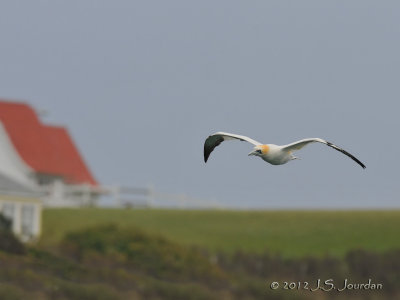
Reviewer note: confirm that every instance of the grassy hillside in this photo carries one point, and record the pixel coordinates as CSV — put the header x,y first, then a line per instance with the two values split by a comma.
x,y
288,233
148,254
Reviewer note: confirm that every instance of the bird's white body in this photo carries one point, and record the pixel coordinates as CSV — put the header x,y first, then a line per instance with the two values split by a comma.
x,y
273,154
276,155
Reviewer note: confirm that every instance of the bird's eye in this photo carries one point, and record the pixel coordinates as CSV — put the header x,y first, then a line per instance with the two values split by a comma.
x,y
258,151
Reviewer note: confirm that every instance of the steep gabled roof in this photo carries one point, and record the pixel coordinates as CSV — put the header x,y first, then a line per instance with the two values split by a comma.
x,y
46,149
66,158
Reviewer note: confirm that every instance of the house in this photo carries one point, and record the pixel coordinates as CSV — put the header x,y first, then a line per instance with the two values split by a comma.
x,y
48,151
39,165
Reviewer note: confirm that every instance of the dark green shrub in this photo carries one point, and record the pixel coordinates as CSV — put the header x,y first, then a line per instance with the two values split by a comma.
x,y
142,251
8,242
5,223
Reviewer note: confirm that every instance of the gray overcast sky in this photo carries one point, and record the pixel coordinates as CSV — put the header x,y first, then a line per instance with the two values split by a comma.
x,y
141,84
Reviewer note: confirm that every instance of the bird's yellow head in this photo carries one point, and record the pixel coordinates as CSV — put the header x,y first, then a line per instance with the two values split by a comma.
x,y
259,150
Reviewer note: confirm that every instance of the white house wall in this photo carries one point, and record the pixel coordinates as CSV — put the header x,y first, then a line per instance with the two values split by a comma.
x,y
11,164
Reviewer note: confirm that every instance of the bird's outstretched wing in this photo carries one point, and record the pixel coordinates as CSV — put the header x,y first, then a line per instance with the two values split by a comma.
x,y
217,138
300,144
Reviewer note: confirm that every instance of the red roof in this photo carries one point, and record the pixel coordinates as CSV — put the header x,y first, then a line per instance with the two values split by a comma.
x,y
46,149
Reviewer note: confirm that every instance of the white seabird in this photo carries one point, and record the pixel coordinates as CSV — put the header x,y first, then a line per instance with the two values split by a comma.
x,y
274,154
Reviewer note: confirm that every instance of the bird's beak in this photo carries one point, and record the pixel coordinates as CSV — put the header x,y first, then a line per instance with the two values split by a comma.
x,y
251,153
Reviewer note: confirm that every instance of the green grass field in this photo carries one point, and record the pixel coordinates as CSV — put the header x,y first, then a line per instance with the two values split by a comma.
x,y
288,233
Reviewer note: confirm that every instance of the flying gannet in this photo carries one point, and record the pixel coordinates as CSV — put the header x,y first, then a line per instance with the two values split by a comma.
x,y
274,154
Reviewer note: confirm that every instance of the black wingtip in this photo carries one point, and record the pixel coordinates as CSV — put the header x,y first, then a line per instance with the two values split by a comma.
x,y
211,142
206,156
346,153
207,152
